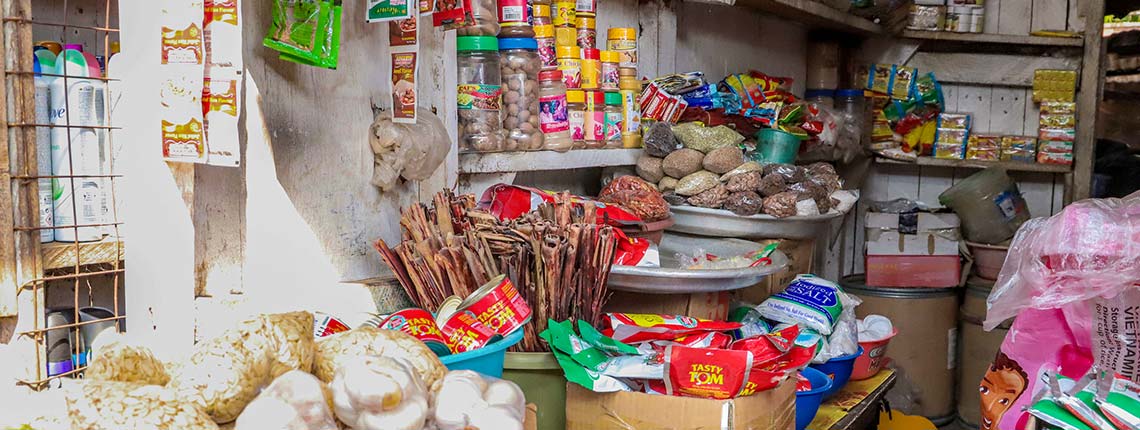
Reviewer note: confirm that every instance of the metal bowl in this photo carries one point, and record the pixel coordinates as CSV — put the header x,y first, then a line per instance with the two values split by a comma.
x,y
722,223
670,278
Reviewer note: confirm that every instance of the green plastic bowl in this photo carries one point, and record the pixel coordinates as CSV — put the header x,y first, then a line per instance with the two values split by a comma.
x,y
776,146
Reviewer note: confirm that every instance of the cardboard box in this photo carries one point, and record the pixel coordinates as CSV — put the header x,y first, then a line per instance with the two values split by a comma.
x,y
774,409
912,234
934,271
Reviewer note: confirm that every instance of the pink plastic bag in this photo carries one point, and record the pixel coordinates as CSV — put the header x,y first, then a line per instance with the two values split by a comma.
x,y
1090,249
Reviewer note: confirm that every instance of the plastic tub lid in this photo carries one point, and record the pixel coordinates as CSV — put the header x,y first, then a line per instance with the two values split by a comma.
x,y
575,96
622,33
613,98
849,93
550,75
476,43
517,43
591,54
611,57
564,51
818,93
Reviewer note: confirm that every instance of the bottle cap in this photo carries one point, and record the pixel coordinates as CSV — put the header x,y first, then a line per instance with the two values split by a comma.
x,y
622,33
476,43
517,43
611,57
590,54
575,96
550,75
568,52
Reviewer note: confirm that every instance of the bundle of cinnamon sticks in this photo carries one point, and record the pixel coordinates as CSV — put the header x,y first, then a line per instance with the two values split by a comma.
x,y
556,256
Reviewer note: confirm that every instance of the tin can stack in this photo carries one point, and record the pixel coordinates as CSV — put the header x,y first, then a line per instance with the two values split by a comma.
x,y
957,16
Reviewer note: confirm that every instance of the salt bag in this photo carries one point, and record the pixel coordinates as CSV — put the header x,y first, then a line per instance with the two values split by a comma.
x,y
810,301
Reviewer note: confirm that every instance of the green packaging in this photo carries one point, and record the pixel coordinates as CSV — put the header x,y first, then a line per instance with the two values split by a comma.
x,y
561,337
306,31
602,342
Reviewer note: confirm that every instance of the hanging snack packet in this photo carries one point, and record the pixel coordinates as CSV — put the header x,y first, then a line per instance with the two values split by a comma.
x,y
651,366
1067,405
390,10
306,32
929,91
813,302
632,328
903,82
706,373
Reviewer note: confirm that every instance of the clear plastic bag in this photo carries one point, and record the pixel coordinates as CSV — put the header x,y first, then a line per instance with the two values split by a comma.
x,y
294,401
390,151
1090,249
427,149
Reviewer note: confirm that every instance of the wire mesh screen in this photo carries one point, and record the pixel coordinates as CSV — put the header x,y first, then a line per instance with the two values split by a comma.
x,y
60,90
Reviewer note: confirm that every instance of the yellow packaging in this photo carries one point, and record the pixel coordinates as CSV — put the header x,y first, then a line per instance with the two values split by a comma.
x,y
566,36
563,14
1054,85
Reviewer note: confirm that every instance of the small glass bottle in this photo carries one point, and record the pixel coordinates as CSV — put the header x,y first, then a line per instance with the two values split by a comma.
x,y
570,63
576,115
591,68
513,19
610,75
595,124
553,116
544,39
614,116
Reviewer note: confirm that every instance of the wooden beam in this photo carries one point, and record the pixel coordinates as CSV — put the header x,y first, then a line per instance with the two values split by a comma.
x,y
1079,184
63,255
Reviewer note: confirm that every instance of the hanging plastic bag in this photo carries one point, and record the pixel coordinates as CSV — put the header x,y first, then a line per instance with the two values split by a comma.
x,y
429,147
390,150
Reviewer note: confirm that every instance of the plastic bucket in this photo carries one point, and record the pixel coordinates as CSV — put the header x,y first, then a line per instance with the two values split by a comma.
x,y
838,369
988,259
989,204
776,146
807,402
487,360
542,382
873,358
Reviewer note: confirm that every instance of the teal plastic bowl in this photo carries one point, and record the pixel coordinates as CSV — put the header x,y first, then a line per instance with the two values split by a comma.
x,y
807,402
776,146
487,360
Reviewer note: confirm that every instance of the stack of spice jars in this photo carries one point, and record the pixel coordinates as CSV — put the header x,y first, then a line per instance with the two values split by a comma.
x,y
544,83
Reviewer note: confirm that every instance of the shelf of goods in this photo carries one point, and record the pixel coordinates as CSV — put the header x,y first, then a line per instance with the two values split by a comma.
x,y
62,255
505,162
981,164
997,39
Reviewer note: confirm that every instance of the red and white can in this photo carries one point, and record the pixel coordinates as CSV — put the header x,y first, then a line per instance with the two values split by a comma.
x,y
465,333
327,325
498,305
421,325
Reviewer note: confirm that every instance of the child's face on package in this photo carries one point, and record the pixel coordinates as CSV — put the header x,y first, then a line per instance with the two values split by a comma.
x,y
1000,387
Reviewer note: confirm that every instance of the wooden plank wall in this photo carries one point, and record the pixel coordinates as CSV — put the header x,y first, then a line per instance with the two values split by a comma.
x,y
994,88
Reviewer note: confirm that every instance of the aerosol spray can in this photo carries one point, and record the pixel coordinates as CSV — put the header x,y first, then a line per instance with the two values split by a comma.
x,y
75,151
43,157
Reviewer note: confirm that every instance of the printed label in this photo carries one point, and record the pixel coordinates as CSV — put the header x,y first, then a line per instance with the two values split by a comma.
x,y
630,111
610,76
595,125
403,82
388,10
613,125
563,14
627,49
182,46
585,6
552,114
571,72
546,52
426,7
402,32
577,124
183,141
1007,204
512,12
1116,331
479,96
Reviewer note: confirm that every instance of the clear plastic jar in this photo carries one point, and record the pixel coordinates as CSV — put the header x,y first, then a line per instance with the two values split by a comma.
x,y
514,20
611,76
570,63
576,115
544,39
614,116
587,31
591,68
486,15
852,105
479,88
520,67
823,97
552,115
595,123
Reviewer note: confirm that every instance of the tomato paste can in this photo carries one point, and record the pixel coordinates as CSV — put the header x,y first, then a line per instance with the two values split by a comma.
x,y
421,325
465,333
447,308
327,325
498,305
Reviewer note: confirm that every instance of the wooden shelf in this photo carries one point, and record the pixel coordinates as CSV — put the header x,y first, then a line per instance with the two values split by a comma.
x,y
532,161
808,12
61,255
996,39
980,164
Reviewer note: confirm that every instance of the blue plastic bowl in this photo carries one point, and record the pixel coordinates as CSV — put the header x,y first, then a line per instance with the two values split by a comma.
x,y
807,402
838,369
487,360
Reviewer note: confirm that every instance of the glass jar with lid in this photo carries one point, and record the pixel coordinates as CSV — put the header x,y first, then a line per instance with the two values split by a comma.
x,y
479,94
552,114
486,16
520,67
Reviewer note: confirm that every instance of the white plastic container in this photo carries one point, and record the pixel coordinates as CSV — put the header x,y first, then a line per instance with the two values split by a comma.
x,y
43,157
76,151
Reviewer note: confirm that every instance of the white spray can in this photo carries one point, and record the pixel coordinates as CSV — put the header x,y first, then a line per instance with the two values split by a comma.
x,y
43,158
75,151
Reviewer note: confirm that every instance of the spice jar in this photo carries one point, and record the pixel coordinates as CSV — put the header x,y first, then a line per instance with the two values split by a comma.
x,y
540,15
563,14
566,36
552,115
624,41
591,68
520,67
570,63
614,116
576,116
544,39
479,90
610,74
631,111
486,16
587,31
514,20
595,124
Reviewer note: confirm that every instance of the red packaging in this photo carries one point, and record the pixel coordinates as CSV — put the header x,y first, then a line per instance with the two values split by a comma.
x,y
327,325
768,347
507,201
762,380
421,325
713,340
451,14
464,332
633,328
498,305
706,373
802,383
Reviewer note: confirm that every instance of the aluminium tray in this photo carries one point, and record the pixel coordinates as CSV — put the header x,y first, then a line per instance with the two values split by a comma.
x,y
723,223
671,279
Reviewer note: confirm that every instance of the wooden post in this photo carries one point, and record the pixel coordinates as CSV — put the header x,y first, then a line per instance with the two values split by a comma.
x,y
1078,185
